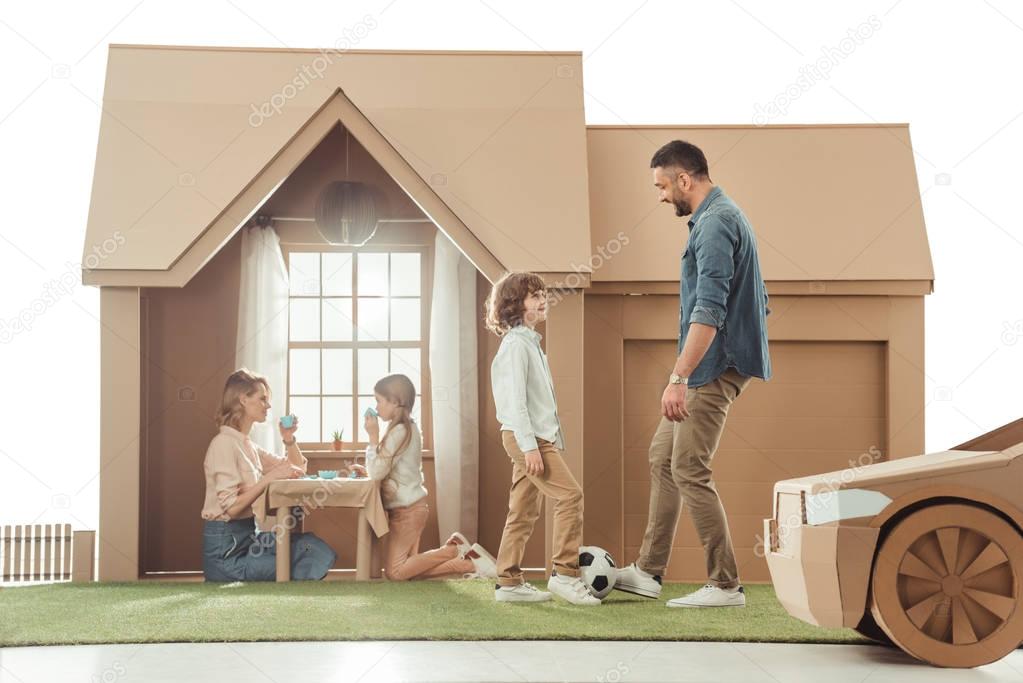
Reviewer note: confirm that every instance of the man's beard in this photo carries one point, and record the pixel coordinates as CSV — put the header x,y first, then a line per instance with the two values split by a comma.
x,y
682,207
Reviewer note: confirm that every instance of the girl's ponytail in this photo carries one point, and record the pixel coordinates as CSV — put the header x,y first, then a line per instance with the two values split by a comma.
x,y
398,389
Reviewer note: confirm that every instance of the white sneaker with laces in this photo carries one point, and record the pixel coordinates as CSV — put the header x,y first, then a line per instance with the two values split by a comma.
x,y
524,592
484,562
634,580
571,588
711,596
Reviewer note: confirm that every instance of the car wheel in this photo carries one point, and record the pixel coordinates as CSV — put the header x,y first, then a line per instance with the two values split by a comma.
x,y
946,586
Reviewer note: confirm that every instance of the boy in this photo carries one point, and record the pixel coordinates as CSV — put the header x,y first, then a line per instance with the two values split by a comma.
x,y
531,433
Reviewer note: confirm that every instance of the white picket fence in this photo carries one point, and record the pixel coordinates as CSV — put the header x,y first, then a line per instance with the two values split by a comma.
x,y
45,553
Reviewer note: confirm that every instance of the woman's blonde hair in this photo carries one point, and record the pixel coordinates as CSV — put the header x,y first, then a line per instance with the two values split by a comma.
x,y
242,382
398,389
506,304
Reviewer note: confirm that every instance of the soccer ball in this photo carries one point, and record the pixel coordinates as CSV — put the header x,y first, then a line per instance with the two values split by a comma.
x,y
597,570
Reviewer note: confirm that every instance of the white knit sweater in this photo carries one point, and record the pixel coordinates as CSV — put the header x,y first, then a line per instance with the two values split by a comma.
x,y
401,476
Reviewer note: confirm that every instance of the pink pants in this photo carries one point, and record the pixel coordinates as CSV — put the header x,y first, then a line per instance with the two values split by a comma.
x,y
404,561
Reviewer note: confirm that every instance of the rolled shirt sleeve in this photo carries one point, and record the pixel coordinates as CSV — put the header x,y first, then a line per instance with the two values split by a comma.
x,y
715,266
510,393
268,460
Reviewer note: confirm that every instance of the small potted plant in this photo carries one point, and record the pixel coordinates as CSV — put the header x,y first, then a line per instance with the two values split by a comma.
x,y
337,438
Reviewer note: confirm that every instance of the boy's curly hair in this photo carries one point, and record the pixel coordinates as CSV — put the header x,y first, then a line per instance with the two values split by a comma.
x,y
506,304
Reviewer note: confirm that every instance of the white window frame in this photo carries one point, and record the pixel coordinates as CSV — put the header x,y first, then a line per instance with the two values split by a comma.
x,y
426,268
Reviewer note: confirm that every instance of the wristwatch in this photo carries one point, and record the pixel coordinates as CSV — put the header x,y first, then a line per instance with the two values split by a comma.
x,y
290,443
676,379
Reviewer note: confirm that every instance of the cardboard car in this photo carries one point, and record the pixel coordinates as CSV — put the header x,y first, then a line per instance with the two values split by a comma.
x,y
925,551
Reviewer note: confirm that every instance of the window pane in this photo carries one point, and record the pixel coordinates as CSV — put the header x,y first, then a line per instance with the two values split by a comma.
x,y
372,274
305,320
405,325
407,362
337,320
372,367
304,371
307,410
337,371
337,273
367,402
405,274
304,272
372,319
337,415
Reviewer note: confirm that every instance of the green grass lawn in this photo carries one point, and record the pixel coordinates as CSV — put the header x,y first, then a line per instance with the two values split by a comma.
x,y
341,610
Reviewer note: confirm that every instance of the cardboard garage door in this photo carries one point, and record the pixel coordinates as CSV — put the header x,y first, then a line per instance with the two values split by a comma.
x,y
823,409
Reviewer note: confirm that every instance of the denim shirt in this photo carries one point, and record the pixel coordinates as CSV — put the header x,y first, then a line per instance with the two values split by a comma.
x,y
721,286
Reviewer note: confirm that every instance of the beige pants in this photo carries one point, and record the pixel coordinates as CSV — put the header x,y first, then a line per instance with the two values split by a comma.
x,y
404,561
680,473
525,502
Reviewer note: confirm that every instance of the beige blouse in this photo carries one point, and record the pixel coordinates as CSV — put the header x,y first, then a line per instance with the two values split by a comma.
x,y
232,462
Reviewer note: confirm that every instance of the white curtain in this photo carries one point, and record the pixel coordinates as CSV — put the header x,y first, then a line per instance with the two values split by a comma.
x,y
263,324
453,322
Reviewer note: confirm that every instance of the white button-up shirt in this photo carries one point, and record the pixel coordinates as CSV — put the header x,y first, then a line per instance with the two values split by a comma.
x,y
524,390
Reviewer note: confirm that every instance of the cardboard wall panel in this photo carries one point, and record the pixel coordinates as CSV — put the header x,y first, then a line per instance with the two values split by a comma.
x,y
768,436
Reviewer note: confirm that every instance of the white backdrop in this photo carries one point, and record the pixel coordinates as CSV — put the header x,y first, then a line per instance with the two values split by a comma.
x,y
952,74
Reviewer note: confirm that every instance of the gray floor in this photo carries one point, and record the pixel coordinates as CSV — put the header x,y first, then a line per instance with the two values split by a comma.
x,y
604,662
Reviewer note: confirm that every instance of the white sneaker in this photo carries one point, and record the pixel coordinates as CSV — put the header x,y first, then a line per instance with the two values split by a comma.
x,y
711,596
524,592
461,542
571,588
634,580
484,562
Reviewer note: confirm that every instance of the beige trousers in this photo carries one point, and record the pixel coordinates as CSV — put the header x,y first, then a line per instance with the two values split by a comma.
x,y
680,474
525,502
404,561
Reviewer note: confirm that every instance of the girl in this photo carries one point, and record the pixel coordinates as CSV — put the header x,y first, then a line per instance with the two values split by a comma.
x,y
237,474
531,433
397,462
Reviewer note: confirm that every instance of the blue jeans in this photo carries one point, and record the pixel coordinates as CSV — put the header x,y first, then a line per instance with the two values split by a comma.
x,y
235,551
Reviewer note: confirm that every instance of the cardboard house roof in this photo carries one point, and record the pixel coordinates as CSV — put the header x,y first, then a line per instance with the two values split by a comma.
x,y
827,202
492,146
192,140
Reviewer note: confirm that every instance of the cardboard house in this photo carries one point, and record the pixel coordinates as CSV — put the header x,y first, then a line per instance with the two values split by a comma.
x,y
492,150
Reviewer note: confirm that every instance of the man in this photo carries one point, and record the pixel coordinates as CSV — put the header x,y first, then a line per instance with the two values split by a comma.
x,y
722,346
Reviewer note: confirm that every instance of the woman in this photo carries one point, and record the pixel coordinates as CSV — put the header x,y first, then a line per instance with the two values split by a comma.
x,y
396,461
237,473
